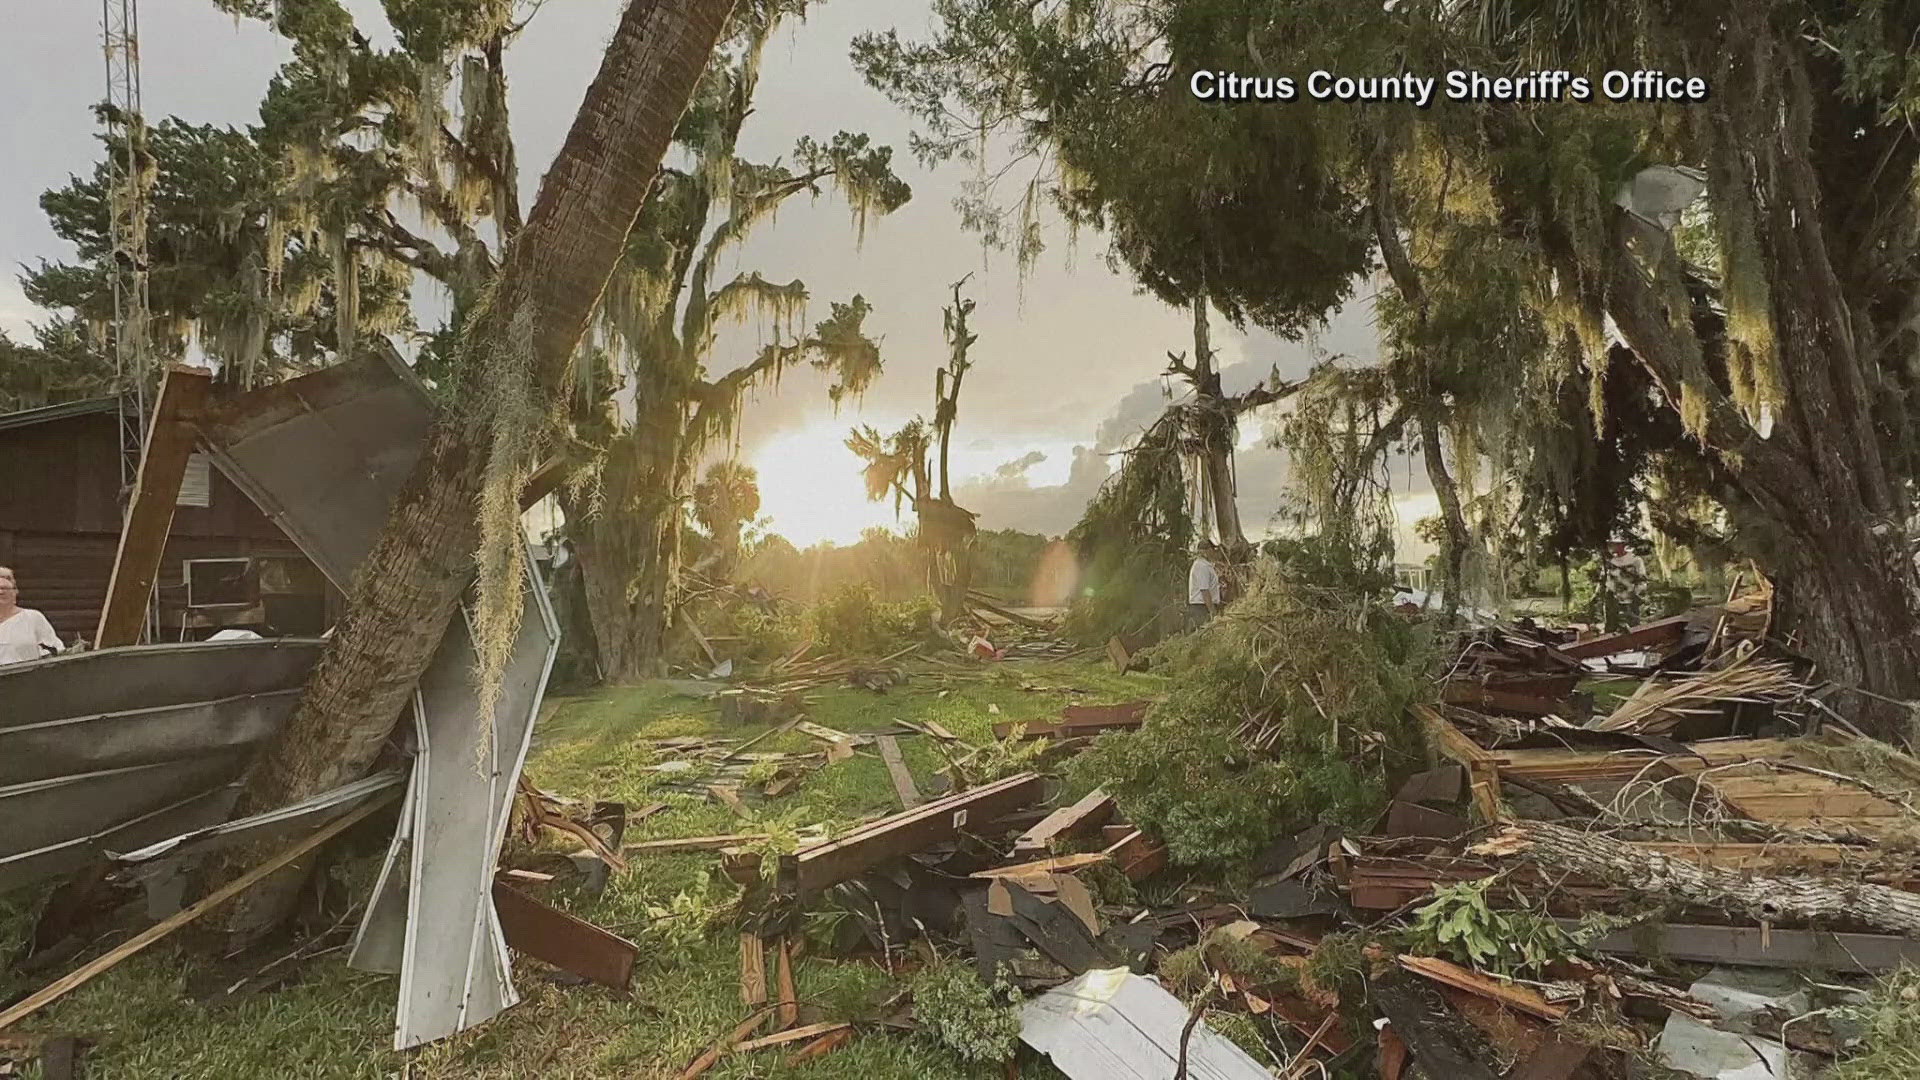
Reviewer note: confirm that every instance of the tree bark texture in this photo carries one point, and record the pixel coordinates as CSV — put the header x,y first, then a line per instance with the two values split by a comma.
x,y
1765,899
1454,538
1215,433
1427,401
1823,177
555,270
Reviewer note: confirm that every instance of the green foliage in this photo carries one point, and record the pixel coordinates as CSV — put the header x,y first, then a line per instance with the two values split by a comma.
x,y
1291,706
997,759
62,365
1459,923
852,622
1890,1045
1187,971
978,1022
1127,589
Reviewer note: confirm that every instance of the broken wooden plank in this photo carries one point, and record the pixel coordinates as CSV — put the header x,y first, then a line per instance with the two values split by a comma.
x,y
554,937
1483,774
1094,810
1137,855
1518,700
822,865
1754,946
1059,864
825,734
1077,720
1644,636
690,843
729,798
168,443
699,1065
897,769
791,1035
84,974
789,997
1513,996
825,1044
753,969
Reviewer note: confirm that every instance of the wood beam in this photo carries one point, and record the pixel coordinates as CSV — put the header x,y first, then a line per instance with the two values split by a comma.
x,y
163,464
822,865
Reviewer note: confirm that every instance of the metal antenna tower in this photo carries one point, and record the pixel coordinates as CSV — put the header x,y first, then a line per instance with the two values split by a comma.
x,y
129,175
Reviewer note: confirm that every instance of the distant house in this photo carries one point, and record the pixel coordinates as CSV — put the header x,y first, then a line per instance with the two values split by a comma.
x,y
226,563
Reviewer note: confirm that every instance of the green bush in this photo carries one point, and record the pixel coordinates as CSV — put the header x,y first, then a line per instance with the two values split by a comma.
x,y
978,1022
1890,1042
852,622
1288,708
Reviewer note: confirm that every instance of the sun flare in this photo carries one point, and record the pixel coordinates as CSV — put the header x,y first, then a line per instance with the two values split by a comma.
x,y
811,490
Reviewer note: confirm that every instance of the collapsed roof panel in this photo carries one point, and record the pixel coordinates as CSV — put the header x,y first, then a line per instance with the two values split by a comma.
x,y
325,454
148,676
113,749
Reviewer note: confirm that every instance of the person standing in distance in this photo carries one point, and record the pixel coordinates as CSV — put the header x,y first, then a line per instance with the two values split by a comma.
x,y
25,634
1203,584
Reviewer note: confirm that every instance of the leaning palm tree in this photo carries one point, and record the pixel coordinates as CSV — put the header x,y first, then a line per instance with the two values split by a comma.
x,y
512,366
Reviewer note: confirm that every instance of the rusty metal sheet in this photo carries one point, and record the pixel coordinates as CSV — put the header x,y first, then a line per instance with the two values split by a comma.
x,y
552,936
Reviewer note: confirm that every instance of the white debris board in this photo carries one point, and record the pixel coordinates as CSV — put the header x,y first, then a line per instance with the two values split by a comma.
x,y
1115,1025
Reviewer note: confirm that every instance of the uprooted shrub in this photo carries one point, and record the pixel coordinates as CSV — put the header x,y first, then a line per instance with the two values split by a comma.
x,y
1890,1035
1288,708
980,1023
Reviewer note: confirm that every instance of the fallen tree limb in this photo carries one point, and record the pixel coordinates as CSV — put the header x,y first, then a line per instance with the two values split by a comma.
x,y
1767,899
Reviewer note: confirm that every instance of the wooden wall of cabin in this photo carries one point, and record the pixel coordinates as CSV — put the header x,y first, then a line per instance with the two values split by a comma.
x,y
60,525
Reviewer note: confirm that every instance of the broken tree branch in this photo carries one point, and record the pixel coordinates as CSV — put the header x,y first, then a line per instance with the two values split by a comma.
x,y
1768,899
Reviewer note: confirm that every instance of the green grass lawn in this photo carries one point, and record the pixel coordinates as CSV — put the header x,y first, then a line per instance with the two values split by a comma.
x,y
152,1019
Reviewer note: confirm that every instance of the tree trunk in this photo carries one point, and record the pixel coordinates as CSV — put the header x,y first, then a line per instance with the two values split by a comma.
x,y
1846,587
553,274
1216,430
1453,537
1654,875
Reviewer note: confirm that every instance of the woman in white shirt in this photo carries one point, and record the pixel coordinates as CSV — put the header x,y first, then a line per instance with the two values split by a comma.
x,y
25,634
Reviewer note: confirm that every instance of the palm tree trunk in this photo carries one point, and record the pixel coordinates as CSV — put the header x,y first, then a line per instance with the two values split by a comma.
x,y
554,273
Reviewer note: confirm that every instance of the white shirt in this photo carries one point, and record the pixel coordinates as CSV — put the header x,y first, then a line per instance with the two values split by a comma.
x,y
1202,580
23,634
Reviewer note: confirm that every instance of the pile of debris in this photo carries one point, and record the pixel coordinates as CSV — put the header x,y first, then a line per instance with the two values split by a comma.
x,y
1688,870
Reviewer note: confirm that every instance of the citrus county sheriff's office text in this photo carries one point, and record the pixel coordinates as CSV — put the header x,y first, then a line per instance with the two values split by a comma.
x,y
1458,85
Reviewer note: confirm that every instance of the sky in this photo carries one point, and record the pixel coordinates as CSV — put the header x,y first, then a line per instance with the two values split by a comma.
x,y
1068,361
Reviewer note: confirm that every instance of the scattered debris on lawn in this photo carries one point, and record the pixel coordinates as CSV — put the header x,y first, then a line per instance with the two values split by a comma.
x,y
1564,890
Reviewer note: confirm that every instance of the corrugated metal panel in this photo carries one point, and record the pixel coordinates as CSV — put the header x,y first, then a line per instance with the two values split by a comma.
x,y
122,747
455,972
149,676
325,456
196,484
140,736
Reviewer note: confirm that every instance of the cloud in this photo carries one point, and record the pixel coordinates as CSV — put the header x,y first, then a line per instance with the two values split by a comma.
x,y
1017,468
